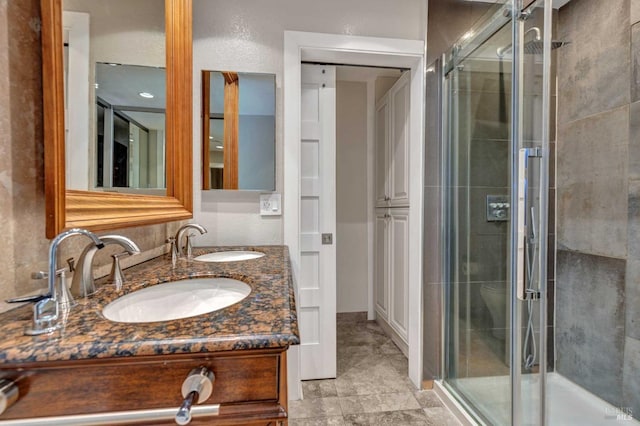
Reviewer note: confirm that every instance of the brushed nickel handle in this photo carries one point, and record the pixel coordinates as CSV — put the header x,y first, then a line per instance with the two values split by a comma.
x,y
9,394
196,389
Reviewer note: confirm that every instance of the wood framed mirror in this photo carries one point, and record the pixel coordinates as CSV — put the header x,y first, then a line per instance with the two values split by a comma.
x,y
66,208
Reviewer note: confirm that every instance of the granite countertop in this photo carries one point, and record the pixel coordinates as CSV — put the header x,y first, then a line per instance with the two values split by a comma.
x,y
264,319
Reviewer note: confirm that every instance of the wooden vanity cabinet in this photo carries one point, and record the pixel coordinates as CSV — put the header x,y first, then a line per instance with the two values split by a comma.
x,y
250,386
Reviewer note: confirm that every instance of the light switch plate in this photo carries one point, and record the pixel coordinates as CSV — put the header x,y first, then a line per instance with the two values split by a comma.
x,y
271,204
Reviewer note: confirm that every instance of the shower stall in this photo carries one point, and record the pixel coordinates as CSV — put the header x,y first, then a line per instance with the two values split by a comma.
x,y
500,357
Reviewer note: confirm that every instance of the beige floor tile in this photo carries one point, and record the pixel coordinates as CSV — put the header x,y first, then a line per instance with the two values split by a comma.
x,y
428,399
319,388
395,418
379,403
440,416
314,407
318,421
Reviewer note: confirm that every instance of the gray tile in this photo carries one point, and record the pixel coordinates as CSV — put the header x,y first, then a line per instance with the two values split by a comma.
x,y
590,325
314,407
432,330
378,403
490,163
592,177
319,388
634,141
407,417
428,399
440,416
352,317
635,63
487,257
599,33
631,381
373,374
633,230
399,363
632,299
318,421
432,235
433,120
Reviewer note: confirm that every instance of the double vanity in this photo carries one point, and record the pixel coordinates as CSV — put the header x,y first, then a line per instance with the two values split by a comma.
x,y
125,356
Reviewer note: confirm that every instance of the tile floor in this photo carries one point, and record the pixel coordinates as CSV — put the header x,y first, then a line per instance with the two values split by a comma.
x,y
372,387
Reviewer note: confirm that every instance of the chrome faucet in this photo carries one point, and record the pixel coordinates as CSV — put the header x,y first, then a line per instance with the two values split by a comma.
x,y
83,283
180,235
46,310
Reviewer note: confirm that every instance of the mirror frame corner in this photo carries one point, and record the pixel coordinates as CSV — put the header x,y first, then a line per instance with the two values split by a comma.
x,y
100,211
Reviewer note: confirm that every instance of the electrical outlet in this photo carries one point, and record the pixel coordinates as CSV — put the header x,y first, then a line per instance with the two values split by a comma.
x,y
270,204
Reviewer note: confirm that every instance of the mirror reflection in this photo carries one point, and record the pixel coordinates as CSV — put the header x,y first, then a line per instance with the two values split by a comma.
x,y
130,126
239,135
115,86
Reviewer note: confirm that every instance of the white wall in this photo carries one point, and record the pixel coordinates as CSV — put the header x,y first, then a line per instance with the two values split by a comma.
x,y
351,193
247,36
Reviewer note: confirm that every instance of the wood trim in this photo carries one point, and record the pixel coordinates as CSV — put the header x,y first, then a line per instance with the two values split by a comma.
x,y
53,101
66,209
231,124
206,130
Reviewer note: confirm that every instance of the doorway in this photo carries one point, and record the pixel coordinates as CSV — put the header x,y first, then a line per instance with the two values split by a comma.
x,y
377,52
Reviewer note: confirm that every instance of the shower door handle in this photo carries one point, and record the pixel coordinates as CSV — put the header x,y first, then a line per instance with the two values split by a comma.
x,y
523,168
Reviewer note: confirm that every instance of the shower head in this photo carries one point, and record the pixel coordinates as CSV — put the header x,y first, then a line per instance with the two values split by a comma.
x,y
532,47
536,47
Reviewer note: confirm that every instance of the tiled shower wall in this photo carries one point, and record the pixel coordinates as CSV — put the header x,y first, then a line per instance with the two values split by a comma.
x,y
598,199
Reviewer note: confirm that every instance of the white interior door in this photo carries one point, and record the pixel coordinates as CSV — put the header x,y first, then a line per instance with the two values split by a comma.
x,y
317,284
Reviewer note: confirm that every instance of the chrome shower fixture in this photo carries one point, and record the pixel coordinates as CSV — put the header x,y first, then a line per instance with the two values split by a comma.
x,y
532,47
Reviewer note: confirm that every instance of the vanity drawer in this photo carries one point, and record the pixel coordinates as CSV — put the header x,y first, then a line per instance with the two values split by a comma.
x,y
249,384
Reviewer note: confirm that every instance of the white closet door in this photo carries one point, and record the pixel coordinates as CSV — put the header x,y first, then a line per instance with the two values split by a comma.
x,y
317,284
381,276
399,99
399,276
382,152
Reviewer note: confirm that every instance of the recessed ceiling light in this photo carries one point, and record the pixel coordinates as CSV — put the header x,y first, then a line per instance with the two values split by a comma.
x,y
219,146
210,137
146,95
130,140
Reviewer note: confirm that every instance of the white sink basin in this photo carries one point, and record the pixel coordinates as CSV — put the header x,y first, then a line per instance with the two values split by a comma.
x,y
176,299
228,256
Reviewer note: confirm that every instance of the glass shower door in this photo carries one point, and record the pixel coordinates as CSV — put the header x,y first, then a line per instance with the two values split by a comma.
x,y
496,155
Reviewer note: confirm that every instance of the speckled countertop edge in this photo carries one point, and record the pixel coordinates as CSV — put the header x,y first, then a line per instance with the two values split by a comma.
x,y
265,319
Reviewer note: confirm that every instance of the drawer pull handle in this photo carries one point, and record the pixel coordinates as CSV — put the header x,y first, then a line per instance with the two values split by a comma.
x,y
196,389
8,394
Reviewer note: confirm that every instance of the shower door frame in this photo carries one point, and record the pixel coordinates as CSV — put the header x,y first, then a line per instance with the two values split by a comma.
x,y
460,51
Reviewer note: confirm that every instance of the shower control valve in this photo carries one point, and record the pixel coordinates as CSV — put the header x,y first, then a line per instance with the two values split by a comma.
x,y
498,208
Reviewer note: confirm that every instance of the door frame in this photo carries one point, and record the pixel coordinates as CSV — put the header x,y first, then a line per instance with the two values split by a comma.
x,y
356,50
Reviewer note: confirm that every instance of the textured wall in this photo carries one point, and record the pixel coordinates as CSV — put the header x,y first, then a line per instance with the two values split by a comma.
x,y
598,188
21,151
24,247
248,36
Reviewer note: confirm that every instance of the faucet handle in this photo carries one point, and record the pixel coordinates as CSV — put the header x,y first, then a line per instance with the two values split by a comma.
x,y
45,317
41,275
173,250
190,245
116,276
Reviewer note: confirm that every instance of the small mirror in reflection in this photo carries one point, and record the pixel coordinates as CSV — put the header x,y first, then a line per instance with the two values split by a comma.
x,y
238,139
